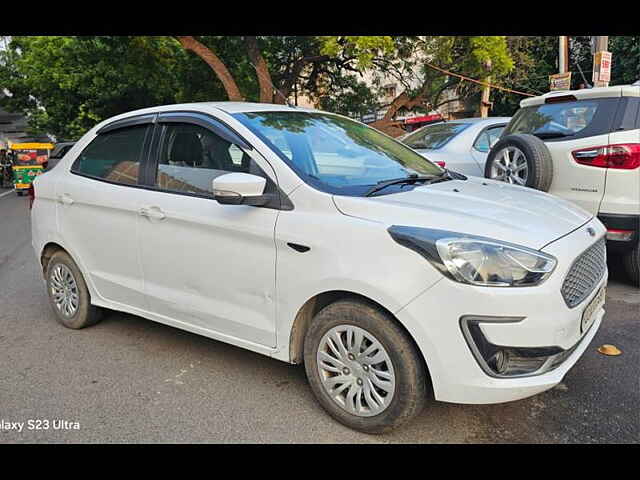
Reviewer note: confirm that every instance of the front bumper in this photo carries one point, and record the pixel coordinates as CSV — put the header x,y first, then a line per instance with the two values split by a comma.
x,y
545,321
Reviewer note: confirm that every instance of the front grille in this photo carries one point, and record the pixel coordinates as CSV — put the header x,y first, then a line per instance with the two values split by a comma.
x,y
585,273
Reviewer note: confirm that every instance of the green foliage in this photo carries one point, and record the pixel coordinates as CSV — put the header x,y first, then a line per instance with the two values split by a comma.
x,y
363,48
351,97
68,84
492,50
536,58
625,53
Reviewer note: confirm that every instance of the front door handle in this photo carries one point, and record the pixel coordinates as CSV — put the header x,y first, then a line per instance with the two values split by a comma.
x,y
152,213
65,199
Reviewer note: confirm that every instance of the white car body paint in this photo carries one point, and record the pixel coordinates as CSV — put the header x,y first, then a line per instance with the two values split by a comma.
x,y
226,271
459,154
601,190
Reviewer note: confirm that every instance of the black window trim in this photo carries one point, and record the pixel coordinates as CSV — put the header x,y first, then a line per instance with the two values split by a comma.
x,y
142,159
128,122
147,179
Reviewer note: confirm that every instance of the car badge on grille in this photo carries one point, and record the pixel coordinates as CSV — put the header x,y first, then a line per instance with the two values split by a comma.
x,y
591,231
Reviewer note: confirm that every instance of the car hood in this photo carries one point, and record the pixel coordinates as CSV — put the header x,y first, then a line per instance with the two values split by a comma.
x,y
475,206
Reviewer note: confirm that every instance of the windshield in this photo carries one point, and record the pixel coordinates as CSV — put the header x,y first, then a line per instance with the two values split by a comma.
x,y
433,137
554,119
335,154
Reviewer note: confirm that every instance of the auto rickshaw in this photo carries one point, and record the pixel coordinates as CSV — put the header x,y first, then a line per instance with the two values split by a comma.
x,y
29,161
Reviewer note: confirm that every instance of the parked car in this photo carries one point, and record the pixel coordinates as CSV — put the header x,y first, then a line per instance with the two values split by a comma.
x,y
59,150
583,146
312,238
460,145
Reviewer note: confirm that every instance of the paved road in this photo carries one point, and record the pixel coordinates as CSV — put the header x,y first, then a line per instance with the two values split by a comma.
x,y
132,380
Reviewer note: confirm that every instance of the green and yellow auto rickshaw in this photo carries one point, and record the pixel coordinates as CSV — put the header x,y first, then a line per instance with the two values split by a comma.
x,y
29,161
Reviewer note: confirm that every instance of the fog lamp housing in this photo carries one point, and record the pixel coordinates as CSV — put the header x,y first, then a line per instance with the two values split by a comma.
x,y
504,361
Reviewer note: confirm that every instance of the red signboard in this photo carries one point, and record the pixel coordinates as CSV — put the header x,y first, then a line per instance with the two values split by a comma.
x,y
424,118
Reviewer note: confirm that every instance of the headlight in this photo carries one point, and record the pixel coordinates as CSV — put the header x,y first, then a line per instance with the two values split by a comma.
x,y
477,260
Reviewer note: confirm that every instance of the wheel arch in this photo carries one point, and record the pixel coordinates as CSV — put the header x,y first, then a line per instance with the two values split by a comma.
x,y
48,251
310,309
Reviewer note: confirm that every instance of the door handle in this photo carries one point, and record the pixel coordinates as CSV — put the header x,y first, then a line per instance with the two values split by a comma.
x,y
65,199
153,213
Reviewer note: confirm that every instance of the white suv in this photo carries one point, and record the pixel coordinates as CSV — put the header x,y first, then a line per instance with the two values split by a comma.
x,y
309,237
584,146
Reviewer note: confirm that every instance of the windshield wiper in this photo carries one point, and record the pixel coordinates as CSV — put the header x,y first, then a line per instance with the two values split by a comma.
x,y
412,178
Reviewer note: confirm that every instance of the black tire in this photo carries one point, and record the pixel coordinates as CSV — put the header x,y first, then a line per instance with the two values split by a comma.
x,y
85,314
410,393
631,261
536,153
19,193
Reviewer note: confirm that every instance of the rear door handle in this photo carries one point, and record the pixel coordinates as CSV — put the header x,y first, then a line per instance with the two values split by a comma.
x,y
153,213
65,199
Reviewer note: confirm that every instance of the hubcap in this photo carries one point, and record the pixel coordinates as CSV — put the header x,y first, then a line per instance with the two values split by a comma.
x,y
510,165
355,370
64,290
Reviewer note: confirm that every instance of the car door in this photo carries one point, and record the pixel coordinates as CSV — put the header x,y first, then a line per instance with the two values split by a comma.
x,y
207,265
97,211
483,143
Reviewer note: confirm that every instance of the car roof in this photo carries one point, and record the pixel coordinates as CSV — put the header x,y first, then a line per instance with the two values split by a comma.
x,y
244,107
478,120
227,107
586,93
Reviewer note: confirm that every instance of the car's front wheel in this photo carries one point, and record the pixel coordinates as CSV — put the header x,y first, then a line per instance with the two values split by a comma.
x,y
68,293
363,368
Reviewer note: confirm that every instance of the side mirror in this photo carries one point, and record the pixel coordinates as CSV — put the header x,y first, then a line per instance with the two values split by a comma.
x,y
240,189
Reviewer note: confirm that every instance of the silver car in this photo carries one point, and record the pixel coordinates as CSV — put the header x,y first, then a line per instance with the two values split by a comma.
x,y
463,145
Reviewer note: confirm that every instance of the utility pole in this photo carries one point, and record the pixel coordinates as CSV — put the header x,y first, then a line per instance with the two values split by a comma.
x,y
563,55
485,104
601,61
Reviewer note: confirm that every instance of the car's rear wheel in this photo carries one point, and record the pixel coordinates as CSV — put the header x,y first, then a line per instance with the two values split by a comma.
x,y
363,368
68,293
520,159
631,261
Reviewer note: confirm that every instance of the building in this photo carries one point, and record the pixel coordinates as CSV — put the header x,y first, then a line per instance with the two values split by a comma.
x,y
14,129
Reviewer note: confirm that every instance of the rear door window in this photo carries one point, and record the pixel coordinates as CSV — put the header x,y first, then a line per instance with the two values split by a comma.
x,y
114,156
433,137
487,138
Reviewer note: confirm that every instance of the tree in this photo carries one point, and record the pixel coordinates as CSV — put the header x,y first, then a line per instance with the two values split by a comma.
x,y
625,59
66,85
460,54
281,64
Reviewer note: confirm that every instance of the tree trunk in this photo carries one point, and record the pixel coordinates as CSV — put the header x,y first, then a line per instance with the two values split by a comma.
x,y
219,68
386,124
262,70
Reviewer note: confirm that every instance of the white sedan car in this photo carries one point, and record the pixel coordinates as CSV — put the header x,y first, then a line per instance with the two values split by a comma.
x,y
460,145
311,238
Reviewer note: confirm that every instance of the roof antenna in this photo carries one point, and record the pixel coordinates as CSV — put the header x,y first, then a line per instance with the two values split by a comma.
x,y
286,100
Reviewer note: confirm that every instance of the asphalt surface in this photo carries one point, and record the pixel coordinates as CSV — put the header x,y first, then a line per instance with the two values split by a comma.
x,y
128,379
